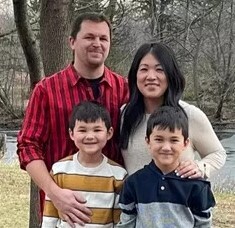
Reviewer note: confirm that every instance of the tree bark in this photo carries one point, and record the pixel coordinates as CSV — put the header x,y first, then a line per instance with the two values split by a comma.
x,y
110,11
34,214
33,59
55,23
28,41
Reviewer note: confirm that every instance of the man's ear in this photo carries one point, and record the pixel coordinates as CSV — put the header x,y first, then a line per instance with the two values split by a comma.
x,y
110,133
71,134
71,42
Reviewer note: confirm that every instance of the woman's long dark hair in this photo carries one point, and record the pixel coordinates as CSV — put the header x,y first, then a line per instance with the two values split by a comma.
x,y
134,111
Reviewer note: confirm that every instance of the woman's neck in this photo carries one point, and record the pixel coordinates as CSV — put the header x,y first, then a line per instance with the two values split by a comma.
x,y
152,104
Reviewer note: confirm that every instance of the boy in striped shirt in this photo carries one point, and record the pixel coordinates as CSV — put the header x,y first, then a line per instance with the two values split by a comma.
x,y
89,172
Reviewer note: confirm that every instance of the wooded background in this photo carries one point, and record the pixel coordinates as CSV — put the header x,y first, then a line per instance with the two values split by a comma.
x,y
200,32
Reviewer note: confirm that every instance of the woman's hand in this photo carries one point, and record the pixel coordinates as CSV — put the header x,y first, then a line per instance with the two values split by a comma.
x,y
71,206
188,169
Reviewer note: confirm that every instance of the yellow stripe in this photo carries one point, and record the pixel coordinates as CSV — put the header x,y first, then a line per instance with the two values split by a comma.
x,y
104,216
50,210
99,215
88,183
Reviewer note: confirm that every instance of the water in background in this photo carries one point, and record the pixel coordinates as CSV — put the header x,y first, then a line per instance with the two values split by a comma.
x,y
224,177
11,155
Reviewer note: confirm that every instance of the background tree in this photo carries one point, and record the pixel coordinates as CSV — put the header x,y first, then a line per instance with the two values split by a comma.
x,y
54,27
55,22
27,41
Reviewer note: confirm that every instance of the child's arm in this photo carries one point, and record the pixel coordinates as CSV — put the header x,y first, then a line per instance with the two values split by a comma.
x,y
127,205
201,207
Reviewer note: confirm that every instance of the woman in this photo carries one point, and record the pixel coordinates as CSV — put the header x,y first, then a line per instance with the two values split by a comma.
x,y
155,80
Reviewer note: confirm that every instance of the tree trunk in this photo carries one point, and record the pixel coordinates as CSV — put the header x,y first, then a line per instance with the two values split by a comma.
x,y
28,41
34,64
110,11
55,24
34,215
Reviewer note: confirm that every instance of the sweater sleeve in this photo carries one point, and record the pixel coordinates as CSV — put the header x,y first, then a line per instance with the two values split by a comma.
x,y
205,142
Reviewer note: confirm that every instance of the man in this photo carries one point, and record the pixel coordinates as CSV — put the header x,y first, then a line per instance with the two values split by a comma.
x,y
44,137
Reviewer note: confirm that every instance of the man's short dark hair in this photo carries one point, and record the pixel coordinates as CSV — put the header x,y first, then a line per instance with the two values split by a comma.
x,y
90,16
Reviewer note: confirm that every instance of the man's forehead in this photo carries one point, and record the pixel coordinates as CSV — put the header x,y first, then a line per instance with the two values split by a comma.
x,y
94,28
93,24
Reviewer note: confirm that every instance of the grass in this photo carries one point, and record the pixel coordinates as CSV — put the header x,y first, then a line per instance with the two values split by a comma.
x,y
14,200
223,214
14,196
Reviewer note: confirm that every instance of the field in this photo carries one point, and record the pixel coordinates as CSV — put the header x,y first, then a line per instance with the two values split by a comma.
x,y
14,200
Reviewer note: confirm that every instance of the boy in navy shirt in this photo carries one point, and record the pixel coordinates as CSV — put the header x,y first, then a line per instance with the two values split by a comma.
x,y
155,197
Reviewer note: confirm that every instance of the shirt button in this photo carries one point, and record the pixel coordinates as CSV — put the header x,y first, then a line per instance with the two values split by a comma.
x,y
163,178
162,188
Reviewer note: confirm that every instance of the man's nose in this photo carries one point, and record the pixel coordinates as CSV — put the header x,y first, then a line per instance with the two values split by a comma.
x,y
96,41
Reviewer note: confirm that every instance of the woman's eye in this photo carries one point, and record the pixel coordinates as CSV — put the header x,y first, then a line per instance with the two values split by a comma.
x,y
159,70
